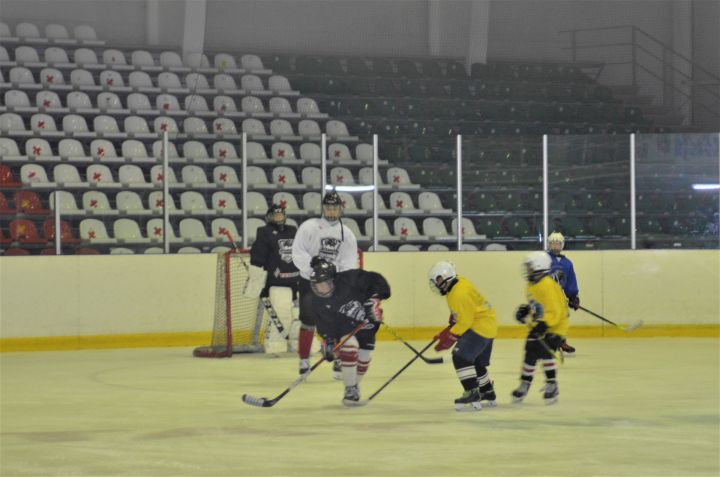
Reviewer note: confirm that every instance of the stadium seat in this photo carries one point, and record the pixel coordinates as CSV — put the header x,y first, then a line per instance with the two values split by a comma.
x,y
67,175
341,176
156,203
26,54
132,177
435,229
85,56
339,152
96,202
365,176
113,57
255,151
11,122
68,205
104,125
252,127
94,231
21,76
219,228
24,231
280,106
223,150
279,84
398,177
197,60
430,203
383,230
284,177
34,174
222,126
154,230
16,99
256,203
102,149
288,202
138,102
38,149
55,55
353,225
311,202
196,81
7,179
135,125
282,151
224,61
80,78
224,104
224,83
194,176
74,124
406,228
309,128
195,103
121,251
193,230
56,32
311,177
225,203
28,202
47,100
252,84
167,102
310,152
100,175
251,62
336,129
193,203
194,126
85,33
163,124
132,148
140,79
9,148
307,106
157,150
76,100
168,80
402,202
281,128
252,225
129,202
366,202
50,77
66,235
41,122
194,150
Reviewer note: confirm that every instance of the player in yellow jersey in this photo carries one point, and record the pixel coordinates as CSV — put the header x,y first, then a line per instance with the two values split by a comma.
x,y
547,311
473,329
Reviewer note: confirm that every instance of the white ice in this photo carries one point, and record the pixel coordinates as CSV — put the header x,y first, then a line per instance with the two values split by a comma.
x,y
627,407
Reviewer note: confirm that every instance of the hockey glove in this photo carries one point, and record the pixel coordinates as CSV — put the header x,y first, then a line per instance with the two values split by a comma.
x,y
373,312
522,312
445,339
574,302
328,347
538,331
452,320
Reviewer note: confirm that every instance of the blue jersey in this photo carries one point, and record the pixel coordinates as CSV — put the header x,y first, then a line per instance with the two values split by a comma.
x,y
564,273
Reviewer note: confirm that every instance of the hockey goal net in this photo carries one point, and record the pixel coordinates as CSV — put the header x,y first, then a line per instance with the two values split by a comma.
x,y
237,326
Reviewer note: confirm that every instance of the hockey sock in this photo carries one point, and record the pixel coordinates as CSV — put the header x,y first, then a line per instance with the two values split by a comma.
x,y
483,379
550,367
364,357
527,372
305,341
349,357
466,373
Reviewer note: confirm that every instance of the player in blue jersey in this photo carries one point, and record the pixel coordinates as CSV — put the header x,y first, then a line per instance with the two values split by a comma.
x,y
564,273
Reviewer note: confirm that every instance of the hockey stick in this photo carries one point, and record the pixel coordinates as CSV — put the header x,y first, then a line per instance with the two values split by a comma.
x,y
265,301
411,347
418,355
626,329
265,402
542,342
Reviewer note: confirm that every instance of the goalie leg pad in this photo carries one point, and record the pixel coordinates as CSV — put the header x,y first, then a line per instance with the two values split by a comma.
x,y
256,281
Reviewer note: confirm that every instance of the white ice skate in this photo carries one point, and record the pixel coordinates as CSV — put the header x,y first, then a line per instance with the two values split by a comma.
x,y
469,401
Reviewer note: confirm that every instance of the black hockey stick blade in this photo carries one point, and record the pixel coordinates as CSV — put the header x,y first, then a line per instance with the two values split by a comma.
x,y
439,360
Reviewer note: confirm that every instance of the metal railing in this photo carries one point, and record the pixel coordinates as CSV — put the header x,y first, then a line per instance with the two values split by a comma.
x,y
665,67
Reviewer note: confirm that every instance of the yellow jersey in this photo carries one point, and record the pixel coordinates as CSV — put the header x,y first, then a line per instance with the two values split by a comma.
x,y
548,294
471,309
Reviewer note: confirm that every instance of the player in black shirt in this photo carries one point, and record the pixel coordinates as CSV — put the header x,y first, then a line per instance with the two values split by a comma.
x,y
341,302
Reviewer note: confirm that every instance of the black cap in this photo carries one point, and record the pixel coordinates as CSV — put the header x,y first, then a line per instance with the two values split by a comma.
x,y
332,198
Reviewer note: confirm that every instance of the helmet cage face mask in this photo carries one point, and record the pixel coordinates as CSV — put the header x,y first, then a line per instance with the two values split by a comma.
x,y
275,215
323,289
331,213
441,276
536,266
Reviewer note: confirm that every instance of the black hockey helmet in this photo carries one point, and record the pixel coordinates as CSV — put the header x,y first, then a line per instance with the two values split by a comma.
x,y
322,277
332,206
275,215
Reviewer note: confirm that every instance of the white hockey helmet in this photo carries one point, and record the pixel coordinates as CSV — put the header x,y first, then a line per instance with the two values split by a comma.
x,y
441,276
536,265
556,239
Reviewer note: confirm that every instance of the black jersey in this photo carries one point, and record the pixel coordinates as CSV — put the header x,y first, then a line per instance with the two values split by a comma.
x,y
335,314
272,250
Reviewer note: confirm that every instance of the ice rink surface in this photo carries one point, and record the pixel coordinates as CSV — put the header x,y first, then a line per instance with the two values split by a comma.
x,y
628,407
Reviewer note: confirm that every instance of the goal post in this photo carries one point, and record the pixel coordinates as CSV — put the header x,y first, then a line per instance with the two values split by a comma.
x,y
238,324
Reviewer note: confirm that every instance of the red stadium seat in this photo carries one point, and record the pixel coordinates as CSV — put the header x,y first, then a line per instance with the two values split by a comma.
x,y
16,251
66,236
5,206
7,180
28,202
24,231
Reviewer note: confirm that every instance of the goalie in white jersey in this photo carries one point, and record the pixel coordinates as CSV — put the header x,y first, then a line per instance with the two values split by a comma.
x,y
329,239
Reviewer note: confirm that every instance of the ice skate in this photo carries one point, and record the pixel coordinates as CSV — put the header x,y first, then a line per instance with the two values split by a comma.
x,y
469,401
352,397
519,394
489,399
337,370
550,392
304,366
567,350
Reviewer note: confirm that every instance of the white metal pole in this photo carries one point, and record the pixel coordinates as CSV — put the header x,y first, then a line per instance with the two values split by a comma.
x,y
376,239
546,214
633,237
58,228
243,171
458,227
166,194
323,165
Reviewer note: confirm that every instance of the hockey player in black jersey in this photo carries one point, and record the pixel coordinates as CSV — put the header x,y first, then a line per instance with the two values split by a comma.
x,y
271,266
340,302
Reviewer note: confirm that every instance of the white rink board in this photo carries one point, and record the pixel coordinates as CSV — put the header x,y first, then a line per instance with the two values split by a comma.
x,y
641,407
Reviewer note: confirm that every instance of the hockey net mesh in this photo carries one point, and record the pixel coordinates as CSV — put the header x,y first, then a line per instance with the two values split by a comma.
x,y
236,327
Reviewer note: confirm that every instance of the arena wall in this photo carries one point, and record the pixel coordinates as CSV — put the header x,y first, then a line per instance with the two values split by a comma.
x,y
121,301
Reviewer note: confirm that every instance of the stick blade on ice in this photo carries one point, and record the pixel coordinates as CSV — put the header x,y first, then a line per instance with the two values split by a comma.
x,y
634,326
254,401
